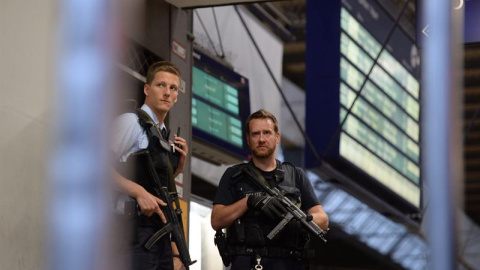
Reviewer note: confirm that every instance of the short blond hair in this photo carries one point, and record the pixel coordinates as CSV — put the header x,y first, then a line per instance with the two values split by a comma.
x,y
162,66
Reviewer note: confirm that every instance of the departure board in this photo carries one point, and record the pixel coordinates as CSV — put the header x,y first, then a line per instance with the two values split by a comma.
x,y
363,99
220,106
216,122
381,134
215,91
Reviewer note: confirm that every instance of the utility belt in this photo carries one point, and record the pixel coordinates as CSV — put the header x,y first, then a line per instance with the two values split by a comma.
x,y
228,250
271,252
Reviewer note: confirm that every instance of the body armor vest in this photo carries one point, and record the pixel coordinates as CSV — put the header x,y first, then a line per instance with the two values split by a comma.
x,y
136,169
249,231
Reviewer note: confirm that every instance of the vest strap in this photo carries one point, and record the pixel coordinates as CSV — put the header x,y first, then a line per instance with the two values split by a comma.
x,y
152,129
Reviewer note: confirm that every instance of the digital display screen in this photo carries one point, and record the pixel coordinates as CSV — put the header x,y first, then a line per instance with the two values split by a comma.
x,y
363,99
215,91
220,105
472,21
381,134
216,122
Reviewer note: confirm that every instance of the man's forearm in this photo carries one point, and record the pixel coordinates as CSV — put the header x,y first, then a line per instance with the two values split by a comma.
x,y
319,216
125,185
223,216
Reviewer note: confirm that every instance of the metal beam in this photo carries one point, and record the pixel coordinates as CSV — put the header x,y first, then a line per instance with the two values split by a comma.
x,y
209,3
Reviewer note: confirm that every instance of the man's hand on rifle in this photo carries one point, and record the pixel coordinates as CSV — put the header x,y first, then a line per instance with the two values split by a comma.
x,y
270,206
150,204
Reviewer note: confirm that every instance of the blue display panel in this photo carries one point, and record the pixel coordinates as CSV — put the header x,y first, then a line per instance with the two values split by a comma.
x,y
472,21
378,144
220,106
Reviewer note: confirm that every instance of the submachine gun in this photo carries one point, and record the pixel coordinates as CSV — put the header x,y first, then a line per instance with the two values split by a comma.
x,y
292,211
174,216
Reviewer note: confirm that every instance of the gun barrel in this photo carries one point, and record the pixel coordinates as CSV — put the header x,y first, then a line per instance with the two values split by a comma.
x,y
177,230
182,249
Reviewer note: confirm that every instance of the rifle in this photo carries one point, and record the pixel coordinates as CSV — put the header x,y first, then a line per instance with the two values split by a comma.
x,y
292,210
173,216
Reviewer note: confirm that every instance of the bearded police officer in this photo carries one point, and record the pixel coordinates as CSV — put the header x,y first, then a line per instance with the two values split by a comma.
x,y
249,213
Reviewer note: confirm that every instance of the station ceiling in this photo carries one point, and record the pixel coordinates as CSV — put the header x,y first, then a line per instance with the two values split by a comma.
x,y
287,19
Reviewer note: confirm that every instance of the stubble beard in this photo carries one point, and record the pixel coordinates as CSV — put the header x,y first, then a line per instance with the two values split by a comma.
x,y
263,154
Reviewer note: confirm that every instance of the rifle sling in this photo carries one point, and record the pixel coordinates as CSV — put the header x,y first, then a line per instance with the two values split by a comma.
x,y
172,188
258,174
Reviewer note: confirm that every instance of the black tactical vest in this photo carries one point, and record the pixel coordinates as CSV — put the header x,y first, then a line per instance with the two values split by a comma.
x,y
251,229
136,169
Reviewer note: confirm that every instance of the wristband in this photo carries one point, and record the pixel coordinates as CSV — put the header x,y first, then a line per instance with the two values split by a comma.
x,y
176,256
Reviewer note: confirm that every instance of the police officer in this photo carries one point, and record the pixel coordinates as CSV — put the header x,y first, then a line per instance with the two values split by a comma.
x,y
250,214
131,135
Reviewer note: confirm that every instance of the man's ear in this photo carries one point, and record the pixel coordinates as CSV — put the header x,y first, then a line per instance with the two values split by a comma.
x,y
277,137
248,139
145,89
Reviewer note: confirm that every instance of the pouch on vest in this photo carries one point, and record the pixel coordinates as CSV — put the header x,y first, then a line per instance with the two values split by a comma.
x,y
254,235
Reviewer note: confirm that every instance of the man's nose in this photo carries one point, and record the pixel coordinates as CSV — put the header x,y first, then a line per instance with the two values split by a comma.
x,y
167,91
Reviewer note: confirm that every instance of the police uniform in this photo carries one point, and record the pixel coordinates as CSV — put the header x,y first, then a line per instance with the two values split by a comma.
x,y
246,237
131,137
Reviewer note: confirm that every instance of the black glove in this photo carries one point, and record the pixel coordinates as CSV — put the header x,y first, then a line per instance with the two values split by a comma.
x,y
270,206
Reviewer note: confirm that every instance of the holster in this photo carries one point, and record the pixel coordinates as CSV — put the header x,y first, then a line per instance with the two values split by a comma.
x,y
221,243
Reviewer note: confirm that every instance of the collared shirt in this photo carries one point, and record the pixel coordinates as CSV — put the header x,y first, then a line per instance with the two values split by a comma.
x,y
128,136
